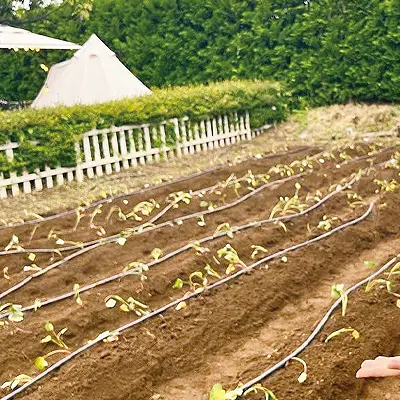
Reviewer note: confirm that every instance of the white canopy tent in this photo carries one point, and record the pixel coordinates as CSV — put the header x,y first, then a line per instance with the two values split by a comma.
x,y
15,38
93,75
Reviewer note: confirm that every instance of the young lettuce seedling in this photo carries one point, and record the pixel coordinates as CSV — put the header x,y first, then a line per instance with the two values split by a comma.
x,y
19,380
156,253
77,296
55,337
201,277
256,250
228,253
386,283
386,186
289,205
137,268
327,223
145,208
219,393
224,228
14,244
41,362
303,376
179,197
354,333
337,292
15,313
128,305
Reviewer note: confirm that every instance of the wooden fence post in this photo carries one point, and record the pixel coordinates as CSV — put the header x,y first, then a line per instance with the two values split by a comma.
x,y
178,138
79,170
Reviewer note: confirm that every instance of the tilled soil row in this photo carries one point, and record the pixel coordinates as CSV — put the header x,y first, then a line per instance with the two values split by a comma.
x,y
231,303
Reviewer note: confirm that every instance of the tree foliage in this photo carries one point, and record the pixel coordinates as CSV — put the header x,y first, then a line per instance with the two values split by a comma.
x,y
324,51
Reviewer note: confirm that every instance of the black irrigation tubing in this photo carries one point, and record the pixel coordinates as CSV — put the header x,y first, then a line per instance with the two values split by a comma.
x,y
183,249
174,303
144,190
318,328
113,238
26,280
169,223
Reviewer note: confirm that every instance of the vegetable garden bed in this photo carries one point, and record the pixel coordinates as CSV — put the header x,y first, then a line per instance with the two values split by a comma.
x,y
215,279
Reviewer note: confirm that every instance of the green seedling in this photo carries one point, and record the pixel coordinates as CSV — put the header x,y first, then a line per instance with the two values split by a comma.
x,y
32,267
19,380
327,223
229,254
4,324
197,247
15,313
354,333
14,244
386,283
140,229
219,393
395,270
137,268
37,304
386,186
79,214
256,250
302,165
269,395
62,242
116,209
224,228
282,170
100,230
179,197
289,205
370,264
207,204
337,292
303,376
122,239
197,280
201,221
354,200
145,208
394,161
106,337
54,337
5,274
41,362
156,253
77,297
128,305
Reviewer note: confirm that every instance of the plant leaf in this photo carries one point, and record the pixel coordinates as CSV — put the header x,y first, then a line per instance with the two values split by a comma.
x,y
41,363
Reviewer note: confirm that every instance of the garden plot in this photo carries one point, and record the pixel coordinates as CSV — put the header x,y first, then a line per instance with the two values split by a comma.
x,y
164,294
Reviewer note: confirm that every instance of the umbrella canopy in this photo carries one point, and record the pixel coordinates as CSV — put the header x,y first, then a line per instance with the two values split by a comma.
x,y
15,38
93,75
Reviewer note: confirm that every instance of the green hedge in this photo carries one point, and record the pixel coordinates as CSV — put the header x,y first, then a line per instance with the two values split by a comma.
x,y
55,129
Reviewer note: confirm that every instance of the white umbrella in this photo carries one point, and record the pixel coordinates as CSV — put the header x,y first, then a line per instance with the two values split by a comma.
x,y
15,38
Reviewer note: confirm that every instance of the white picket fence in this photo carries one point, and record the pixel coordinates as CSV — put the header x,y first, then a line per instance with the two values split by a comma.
x,y
109,150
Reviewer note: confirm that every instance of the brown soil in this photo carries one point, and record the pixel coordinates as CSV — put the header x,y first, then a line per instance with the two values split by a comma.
x,y
230,334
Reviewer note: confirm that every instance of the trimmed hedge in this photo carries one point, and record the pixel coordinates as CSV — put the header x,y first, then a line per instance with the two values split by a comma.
x,y
56,129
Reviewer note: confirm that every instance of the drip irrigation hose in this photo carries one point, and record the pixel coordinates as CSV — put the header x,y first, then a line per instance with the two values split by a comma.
x,y
318,328
174,303
167,223
140,191
26,280
120,275
115,237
